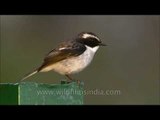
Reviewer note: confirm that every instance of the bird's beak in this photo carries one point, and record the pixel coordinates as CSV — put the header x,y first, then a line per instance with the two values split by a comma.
x,y
102,44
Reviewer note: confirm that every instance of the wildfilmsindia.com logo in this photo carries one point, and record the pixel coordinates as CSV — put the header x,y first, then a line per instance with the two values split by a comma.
x,y
110,92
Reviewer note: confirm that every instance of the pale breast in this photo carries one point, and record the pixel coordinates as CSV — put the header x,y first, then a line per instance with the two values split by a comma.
x,y
74,64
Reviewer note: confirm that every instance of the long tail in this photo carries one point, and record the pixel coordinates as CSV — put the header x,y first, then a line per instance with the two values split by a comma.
x,y
29,75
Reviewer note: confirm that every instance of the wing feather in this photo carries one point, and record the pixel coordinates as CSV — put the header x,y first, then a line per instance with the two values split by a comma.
x,y
63,51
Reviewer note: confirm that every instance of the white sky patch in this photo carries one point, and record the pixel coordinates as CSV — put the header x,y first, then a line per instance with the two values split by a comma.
x,y
86,35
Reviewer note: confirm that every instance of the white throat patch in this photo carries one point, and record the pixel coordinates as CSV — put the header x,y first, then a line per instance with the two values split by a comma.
x,y
94,49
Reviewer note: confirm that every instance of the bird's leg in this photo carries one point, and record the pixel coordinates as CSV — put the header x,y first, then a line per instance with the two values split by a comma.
x,y
71,79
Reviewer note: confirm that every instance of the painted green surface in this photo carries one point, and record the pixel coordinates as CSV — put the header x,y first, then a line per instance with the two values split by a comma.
x,y
8,94
29,93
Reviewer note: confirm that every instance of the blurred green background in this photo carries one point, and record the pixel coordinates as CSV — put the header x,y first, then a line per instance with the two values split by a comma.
x,y
130,62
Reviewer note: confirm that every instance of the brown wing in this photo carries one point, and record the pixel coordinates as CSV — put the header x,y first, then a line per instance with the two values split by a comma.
x,y
63,51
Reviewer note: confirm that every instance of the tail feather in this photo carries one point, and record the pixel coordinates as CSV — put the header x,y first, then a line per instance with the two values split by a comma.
x,y
29,75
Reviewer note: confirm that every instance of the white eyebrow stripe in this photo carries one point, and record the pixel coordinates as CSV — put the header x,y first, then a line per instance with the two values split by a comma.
x,y
89,35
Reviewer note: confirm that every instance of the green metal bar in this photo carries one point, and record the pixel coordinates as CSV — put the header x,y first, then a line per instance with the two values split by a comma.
x,y
29,93
8,94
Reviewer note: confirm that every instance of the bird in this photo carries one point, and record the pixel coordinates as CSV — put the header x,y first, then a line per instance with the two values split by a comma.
x,y
70,56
